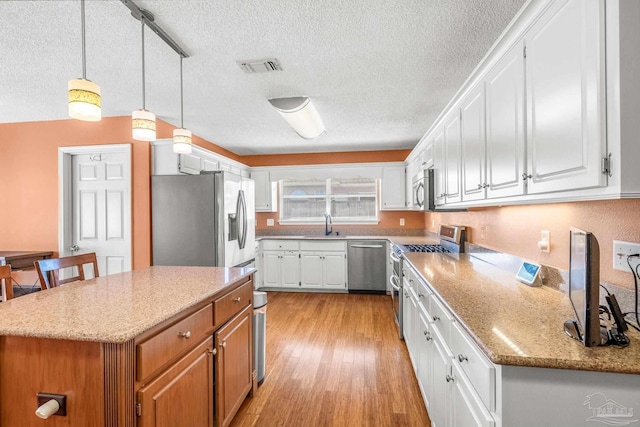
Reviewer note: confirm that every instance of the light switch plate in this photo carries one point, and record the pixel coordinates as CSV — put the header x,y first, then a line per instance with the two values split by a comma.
x,y
402,222
270,222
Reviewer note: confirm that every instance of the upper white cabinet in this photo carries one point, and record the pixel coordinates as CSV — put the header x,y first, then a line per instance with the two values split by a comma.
x,y
505,148
439,167
266,192
393,188
452,145
565,72
427,155
166,162
473,142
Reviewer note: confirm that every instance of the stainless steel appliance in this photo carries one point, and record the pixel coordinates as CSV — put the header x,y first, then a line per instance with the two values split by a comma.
x,y
452,239
203,220
366,266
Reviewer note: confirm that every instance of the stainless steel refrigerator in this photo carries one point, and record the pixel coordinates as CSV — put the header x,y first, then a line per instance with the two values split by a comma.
x,y
203,220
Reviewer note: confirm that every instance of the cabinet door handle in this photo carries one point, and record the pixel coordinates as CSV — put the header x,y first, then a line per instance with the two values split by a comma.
x,y
526,177
429,337
462,358
223,344
185,335
449,378
435,318
420,295
480,186
212,351
485,185
236,299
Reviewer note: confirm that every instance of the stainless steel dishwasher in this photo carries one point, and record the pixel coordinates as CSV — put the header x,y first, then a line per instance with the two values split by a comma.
x,y
367,266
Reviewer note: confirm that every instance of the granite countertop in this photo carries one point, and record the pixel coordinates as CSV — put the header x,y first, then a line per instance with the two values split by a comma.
x,y
515,324
114,308
402,240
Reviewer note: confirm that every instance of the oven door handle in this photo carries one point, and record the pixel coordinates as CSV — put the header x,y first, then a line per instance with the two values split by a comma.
x,y
394,257
394,285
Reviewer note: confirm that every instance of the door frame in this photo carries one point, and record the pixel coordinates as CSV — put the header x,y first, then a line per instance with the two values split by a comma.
x,y
65,193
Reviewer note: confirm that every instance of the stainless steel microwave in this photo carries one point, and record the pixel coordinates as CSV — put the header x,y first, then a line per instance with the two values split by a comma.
x,y
422,193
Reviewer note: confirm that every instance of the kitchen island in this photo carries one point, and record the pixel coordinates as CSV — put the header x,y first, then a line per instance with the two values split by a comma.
x,y
134,348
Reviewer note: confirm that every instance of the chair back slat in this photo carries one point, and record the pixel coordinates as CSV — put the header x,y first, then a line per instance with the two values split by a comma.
x,y
49,269
5,273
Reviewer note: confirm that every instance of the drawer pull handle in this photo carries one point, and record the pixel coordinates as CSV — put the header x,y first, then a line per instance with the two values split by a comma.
x,y
185,335
462,358
428,335
420,295
435,318
223,344
449,378
236,299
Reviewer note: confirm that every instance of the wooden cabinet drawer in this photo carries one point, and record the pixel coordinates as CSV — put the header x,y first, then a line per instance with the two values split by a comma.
x,y
224,308
474,364
441,318
162,348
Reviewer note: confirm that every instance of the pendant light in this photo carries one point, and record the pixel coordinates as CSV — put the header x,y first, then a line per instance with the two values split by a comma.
x,y
84,95
181,137
143,122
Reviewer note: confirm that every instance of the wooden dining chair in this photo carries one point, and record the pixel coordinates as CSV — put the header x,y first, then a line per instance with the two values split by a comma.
x,y
49,269
5,273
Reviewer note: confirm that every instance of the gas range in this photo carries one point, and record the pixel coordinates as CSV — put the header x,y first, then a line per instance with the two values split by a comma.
x,y
452,238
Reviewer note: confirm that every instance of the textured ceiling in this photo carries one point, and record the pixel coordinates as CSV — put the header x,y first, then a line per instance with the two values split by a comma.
x,y
378,71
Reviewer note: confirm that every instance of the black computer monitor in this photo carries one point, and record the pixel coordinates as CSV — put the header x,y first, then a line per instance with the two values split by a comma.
x,y
584,282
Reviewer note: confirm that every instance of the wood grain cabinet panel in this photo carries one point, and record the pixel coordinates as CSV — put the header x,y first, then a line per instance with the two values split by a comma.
x,y
183,394
162,348
233,365
226,307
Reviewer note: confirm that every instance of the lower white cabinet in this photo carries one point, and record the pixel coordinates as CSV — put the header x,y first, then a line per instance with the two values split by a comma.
x,y
281,269
323,265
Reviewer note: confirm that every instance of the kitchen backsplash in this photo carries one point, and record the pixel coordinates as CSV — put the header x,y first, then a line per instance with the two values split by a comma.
x,y
343,230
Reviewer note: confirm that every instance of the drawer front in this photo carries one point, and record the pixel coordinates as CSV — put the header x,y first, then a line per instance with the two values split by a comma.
x,y
315,245
441,318
160,349
476,366
224,308
280,245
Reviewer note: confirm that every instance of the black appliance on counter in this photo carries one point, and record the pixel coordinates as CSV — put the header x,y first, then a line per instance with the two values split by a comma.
x,y
452,239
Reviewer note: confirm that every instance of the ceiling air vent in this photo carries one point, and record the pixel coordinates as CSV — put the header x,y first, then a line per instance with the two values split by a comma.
x,y
260,65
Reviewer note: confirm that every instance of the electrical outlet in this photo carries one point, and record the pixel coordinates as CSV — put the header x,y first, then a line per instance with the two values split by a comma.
x,y
270,222
402,222
620,252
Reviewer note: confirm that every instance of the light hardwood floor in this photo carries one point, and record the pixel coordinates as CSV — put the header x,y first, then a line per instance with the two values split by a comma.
x,y
334,360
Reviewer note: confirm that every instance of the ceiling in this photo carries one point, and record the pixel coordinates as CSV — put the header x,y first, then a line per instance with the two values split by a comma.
x,y
378,71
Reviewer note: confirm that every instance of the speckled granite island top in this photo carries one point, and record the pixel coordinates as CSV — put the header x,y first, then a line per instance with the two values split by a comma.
x,y
515,324
116,308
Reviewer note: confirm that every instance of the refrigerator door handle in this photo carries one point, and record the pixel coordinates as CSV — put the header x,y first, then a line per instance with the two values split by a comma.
x,y
241,211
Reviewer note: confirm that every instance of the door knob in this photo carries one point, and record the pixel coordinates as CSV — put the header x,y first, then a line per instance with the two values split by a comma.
x,y
74,248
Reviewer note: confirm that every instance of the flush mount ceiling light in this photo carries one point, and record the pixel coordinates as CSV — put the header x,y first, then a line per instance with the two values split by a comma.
x,y
301,115
181,137
84,95
143,122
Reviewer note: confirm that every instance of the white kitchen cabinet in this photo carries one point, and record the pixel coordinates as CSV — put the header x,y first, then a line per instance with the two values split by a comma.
x,y
505,147
280,264
266,191
473,143
439,167
565,72
424,350
166,162
427,155
440,382
413,169
452,157
464,407
393,194
323,265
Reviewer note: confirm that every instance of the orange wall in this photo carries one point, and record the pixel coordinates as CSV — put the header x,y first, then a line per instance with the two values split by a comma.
x,y
29,175
516,230
326,158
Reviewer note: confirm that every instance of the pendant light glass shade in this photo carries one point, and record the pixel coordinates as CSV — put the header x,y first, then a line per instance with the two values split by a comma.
x,y
143,124
181,137
84,100
84,95
182,141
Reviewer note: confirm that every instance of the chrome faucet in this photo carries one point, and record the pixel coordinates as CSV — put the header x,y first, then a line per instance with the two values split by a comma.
x,y
327,221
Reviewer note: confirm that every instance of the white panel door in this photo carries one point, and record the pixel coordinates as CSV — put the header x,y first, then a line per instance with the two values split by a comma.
x,y
473,145
424,349
271,266
439,168
565,97
335,270
101,206
311,266
290,269
505,125
452,157
440,387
